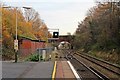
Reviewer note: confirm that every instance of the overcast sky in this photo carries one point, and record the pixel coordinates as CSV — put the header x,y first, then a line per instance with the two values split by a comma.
x,y
59,14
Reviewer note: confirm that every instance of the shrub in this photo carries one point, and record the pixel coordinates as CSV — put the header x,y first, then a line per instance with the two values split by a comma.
x,y
33,57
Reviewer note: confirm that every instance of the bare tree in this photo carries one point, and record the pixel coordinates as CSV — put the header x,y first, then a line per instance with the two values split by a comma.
x,y
32,16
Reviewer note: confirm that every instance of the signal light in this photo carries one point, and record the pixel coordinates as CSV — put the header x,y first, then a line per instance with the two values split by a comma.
x,y
55,34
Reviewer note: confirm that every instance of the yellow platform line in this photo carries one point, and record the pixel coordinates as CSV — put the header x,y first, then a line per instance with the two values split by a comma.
x,y
54,71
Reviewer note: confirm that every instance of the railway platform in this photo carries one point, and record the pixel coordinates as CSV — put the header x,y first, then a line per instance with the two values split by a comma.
x,y
65,71
27,70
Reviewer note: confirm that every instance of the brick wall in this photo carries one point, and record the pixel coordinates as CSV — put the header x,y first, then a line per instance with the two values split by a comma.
x,y
27,47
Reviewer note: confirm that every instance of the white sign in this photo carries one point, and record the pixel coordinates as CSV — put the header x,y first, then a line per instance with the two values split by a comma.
x,y
16,44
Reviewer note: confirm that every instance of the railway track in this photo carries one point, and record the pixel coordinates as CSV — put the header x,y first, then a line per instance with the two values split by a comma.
x,y
105,69
108,66
110,71
85,72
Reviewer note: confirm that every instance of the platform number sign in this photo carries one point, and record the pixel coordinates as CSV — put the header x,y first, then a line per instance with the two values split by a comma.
x,y
16,45
55,34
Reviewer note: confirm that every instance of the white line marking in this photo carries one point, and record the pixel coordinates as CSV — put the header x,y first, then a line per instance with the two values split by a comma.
x,y
74,71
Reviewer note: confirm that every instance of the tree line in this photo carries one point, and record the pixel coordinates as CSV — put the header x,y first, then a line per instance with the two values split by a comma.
x,y
100,30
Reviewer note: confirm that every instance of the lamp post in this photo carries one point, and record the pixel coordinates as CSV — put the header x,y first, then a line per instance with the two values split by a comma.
x,y
16,38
